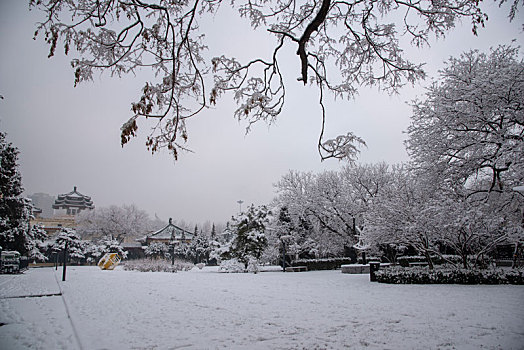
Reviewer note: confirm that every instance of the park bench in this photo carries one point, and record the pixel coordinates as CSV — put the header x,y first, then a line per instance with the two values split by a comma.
x,y
414,264
296,268
503,262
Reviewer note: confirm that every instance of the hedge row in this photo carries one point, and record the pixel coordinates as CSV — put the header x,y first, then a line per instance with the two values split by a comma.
x,y
423,275
322,264
405,260
157,265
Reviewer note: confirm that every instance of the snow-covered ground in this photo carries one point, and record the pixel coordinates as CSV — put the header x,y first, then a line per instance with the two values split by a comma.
x,y
204,309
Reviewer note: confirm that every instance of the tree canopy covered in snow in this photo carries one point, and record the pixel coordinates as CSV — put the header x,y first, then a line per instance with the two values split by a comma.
x,y
470,127
116,222
341,46
457,194
248,238
323,213
75,246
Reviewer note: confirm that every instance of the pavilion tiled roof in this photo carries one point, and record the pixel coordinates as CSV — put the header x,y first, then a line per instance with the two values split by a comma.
x,y
73,199
171,232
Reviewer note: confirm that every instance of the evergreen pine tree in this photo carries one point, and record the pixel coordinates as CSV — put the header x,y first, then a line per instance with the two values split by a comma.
x,y
75,247
213,232
250,240
14,216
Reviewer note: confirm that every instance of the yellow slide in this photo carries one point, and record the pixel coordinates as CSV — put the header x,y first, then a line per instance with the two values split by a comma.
x,y
109,261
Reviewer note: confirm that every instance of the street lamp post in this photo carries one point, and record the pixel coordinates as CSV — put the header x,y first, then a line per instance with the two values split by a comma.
x,y
283,256
65,262
240,204
172,246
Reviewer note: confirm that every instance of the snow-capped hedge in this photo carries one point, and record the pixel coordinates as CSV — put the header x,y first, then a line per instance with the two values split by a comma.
x,y
232,266
423,275
405,260
157,265
235,266
322,264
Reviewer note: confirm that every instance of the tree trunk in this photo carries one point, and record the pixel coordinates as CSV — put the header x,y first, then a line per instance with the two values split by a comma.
x,y
465,261
514,265
428,258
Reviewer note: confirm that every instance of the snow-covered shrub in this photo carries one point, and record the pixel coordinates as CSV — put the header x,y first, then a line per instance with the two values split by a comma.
x,y
252,265
158,265
157,250
515,277
220,251
232,266
423,275
111,245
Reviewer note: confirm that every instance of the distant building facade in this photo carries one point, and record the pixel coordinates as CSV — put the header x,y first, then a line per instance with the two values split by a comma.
x,y
72,203
53,225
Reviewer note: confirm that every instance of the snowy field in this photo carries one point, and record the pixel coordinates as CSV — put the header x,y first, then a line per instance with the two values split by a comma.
x,y
270,310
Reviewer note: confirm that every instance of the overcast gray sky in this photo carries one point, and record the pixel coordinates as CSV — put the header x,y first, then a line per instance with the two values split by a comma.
x,y
71,136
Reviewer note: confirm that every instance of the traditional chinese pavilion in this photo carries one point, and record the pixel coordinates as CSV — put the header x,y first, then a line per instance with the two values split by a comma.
x,y
72,203
171,234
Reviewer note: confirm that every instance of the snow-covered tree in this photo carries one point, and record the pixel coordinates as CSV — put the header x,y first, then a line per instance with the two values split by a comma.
x,y
341,45
305,218
199,248
111,245
468,228
116,222
213,233
471,124
399,215
93,252
75,246
250,239
468,136
35,246
14,210
325,210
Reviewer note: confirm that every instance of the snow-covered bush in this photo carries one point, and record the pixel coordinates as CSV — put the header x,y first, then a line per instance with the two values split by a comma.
x,y
157,250
232,266
252,265
220,251
111,245
157,265
422,275
437,259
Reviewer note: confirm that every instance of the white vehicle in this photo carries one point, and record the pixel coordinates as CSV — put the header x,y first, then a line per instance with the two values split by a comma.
x,y
10,261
